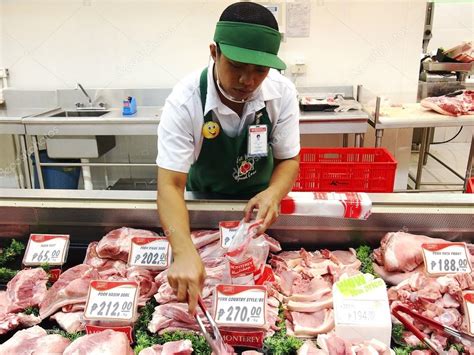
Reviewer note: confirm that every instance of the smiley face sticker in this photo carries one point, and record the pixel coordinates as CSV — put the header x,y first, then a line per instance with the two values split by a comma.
x,y
210,130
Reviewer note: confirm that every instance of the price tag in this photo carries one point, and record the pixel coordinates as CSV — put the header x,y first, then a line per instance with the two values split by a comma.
x,y
446,258
468,298
150,252
227,231
240,306
360,311
46,249
111,300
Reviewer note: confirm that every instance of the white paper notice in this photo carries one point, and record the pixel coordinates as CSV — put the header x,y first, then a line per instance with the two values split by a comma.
x,y
298,15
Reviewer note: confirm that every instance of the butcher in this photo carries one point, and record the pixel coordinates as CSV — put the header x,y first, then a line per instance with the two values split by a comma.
x,y
232,129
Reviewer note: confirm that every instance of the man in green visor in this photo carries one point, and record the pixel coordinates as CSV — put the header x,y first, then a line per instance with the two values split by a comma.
x,y
232,129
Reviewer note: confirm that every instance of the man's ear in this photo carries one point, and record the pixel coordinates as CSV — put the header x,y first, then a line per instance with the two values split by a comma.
x,y
213,51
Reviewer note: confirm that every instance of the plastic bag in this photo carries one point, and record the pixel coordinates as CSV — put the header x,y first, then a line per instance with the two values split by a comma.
x,y
247,254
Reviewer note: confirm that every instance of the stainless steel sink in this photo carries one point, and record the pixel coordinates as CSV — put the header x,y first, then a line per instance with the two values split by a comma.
x,y
80,114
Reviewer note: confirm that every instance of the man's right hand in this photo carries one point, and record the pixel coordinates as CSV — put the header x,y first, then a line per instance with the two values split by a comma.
x,y
186,276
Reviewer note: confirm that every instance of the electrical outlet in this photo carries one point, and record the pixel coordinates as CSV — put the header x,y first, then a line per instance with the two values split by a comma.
x,y
298,69
3,73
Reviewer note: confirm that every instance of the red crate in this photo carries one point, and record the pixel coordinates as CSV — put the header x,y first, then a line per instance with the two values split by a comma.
x,y
346,169
470,186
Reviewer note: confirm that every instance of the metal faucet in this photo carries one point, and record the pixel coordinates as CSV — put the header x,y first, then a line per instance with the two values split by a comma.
x,y
79,106
85,93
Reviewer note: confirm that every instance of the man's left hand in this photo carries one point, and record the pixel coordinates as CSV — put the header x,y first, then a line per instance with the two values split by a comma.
x,y
268,206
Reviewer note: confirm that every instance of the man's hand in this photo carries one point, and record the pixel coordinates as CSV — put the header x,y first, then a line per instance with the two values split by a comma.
x,y
267,203
186,277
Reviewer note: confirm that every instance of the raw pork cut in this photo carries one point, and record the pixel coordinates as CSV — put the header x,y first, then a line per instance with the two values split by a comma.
x,y
401,251
26,289
455,104
202,238
105,267
116,244
309,348
11,321
71,322
180,347
310,324
34,340
71,288
107,342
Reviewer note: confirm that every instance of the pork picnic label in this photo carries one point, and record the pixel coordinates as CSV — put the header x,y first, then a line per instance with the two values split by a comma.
x,y
468,298
150,252
227,230
446,258
49,249
240,306
111,300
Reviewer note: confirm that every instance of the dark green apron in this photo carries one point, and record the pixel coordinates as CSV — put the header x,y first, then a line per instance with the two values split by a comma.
x,y
223,165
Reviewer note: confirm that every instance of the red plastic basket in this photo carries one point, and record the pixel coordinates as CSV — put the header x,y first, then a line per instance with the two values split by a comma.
x,y
346,169
470,186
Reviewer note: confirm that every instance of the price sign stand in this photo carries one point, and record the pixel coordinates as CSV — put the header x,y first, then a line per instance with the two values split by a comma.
x,y
51,249
361,309
47,249
113,304
149,252
468,299
446,258
242,307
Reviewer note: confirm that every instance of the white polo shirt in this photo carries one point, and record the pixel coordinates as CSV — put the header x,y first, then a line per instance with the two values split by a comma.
x,y
180,129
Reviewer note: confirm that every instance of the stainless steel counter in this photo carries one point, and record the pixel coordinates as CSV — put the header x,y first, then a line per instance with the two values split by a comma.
x,y
11,119
89,213
144,122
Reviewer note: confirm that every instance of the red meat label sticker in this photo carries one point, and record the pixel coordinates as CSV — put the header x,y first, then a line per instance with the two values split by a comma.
x,y
249,339
111,300
243,268
49,249
227,230
267,276
446,258
149,252
127,330
240,306
54,275
468,298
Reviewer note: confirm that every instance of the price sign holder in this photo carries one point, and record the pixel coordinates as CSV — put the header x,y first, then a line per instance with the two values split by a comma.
x,y
240,306
112,301
127,330
227,230
150,252
361,309
49,249
446,258
468,299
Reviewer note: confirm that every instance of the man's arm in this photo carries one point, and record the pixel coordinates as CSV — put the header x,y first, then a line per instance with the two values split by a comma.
x,y
268,201
186,274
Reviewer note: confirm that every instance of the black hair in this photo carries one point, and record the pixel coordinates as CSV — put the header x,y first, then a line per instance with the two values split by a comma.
x,y
249,12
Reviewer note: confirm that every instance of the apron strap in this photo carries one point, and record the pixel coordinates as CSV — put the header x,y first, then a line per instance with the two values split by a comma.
x,y
203,90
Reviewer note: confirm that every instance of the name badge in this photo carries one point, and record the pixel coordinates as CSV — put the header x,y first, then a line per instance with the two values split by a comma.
x,y
257,141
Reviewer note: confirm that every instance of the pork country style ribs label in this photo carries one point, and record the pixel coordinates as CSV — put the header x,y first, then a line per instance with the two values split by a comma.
x,y
111,300
150,252
240,306
446,258
46,249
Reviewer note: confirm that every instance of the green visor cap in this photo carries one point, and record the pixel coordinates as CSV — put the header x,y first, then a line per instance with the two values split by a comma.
x,y
249,43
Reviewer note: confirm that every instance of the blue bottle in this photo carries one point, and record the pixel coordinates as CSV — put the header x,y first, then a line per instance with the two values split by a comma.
x,y
129,106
